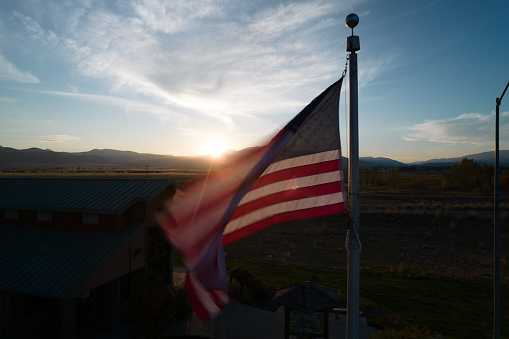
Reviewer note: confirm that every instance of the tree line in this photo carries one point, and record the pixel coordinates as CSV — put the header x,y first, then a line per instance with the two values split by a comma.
x,y
467,176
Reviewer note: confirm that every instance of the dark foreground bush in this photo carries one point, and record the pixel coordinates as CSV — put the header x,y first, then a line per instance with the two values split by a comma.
x,y
155,306
245,287
407,332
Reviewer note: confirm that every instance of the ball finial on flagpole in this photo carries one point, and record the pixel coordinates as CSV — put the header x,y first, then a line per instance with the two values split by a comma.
x,y
352,42
352,20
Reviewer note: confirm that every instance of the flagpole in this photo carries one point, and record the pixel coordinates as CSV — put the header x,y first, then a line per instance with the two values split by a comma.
x,y
352,324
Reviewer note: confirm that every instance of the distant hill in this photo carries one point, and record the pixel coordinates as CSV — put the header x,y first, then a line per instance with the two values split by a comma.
x,y
11,158
39,158
134,159
36,157
482,158
384,162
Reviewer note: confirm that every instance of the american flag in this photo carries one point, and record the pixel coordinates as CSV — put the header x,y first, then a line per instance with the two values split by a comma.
x,y
297,175
304,180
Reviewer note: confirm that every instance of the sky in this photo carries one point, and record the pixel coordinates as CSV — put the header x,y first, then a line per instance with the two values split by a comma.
x,y
188,77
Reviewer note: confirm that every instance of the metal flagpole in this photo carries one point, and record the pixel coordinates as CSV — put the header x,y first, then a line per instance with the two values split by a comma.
x,y
352,323
496,229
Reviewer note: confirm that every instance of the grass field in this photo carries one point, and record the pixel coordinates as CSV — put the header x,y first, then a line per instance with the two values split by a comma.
x,y
427,269
452,308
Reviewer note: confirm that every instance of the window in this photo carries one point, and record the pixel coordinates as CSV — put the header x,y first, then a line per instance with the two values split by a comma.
x,y
44,215
11,214
90,218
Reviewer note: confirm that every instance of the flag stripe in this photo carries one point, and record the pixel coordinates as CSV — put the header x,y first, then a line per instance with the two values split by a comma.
x,y
290,185
286,206
278,197
298,171
287,186
302,160
280,218
205,302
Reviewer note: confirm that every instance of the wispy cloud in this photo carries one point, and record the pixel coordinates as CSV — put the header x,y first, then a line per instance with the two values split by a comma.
x,y
161,112
373,67
471,128
287,17
199,57
174,16
4,99
10,72
56,138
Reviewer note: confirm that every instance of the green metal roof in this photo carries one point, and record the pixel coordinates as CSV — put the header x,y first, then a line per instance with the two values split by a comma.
x,y
55,262
91,195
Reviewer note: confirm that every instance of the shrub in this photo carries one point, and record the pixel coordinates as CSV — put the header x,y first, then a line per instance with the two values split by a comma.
x,y
180,303
469,176
246,286
407,332
370,176
155,306
151,309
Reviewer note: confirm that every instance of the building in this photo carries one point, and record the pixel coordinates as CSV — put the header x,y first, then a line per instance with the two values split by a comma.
x,y
307,306
69,248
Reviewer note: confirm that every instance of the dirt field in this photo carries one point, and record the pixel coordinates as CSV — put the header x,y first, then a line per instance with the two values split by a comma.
x,y
418,240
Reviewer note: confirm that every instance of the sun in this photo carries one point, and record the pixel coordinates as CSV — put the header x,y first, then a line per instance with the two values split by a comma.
x,y
214,147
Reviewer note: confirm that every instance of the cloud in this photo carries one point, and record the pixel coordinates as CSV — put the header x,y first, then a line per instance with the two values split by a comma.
x,y
174,16
10,72
32,26
288,17
219,59
161,112
372,68
57,138
471,128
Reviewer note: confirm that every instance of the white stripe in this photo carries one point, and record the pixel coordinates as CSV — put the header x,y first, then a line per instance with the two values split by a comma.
x,y
204,296
287,206
291,184
310,159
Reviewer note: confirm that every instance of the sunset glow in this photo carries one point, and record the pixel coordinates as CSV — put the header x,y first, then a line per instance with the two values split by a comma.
x,y
215,147
162,75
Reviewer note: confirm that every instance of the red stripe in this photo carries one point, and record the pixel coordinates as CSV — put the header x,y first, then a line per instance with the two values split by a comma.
x,y
294,194
195,301
280,218
300,171
216,298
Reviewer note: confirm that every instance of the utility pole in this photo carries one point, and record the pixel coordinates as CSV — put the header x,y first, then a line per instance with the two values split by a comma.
x,y
496,229
352,323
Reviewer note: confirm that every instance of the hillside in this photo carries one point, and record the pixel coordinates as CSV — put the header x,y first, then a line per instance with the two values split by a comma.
x,y
34,158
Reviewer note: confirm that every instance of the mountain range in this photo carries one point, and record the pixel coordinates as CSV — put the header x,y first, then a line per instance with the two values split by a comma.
x,y
32,158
